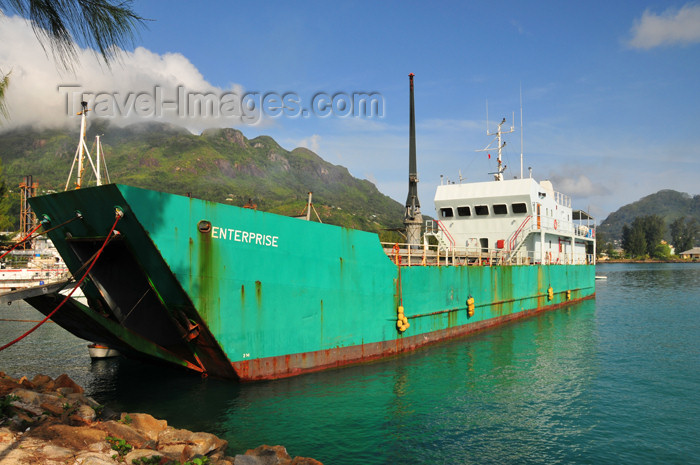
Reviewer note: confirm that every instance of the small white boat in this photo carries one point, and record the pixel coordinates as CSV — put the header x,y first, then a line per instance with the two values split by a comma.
x,y
101,351
600,278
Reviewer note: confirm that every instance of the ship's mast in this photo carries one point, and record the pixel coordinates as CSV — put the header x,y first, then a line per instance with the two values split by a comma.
x,y
27,219
82,152
498,175
413,219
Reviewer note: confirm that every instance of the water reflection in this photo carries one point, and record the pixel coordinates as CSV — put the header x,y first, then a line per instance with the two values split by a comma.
x,y
565,386
456,399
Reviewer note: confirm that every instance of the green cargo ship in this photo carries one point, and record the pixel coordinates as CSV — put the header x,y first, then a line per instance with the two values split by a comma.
x,y
244,294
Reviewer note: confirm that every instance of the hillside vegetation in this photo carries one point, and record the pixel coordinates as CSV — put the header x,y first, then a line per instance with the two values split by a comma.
x,y
221,165
670,205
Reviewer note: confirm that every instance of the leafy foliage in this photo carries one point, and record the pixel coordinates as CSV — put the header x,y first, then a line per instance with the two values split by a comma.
x,y
645,236
119,445
219,165
654,229
684,232
105,25
5,402
4,84
152,460
668,204
633,241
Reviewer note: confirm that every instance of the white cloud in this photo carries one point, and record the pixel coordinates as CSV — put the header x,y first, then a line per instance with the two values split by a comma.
x,y
140,85
674,26
312,143
578,186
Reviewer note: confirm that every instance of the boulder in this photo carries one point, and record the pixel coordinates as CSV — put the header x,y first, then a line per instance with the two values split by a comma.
x,y
43,383
146,424
51,423
84,414
26,383
54,452
132,436
23,407
90,458
26,396
72,437
7,385
264,455
187,444
143,453
64,391
305,461
82,399
52,408
64,381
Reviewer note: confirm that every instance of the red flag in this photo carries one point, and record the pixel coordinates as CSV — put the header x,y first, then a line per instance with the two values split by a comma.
x,y
489,156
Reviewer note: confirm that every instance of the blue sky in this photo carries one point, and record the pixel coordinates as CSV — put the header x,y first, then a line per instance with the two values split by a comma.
x,y
610,89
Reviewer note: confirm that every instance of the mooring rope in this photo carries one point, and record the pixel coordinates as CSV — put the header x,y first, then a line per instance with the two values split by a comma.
x,y
77,217
26,238
31,234
119,216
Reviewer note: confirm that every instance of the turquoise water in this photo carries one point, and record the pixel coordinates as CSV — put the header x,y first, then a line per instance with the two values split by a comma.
x,y
610,380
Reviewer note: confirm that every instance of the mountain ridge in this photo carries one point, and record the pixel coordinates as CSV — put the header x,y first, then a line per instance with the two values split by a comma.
x,y
221,165
667,203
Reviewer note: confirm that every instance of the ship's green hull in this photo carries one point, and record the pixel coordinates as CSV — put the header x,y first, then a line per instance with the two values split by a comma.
x,y
246,294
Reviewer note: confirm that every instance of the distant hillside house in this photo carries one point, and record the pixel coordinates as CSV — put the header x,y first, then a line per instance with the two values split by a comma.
x,y
693,253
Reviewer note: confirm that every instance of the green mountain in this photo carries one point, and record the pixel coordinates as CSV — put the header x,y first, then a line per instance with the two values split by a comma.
x,y
220,165
668,204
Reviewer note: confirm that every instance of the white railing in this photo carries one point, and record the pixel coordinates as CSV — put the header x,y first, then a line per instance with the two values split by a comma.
x,y
562,199
440,233
445,252
518,237
434,255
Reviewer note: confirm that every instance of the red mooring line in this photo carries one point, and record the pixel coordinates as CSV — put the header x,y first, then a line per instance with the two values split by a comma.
x,y
109,235
22,241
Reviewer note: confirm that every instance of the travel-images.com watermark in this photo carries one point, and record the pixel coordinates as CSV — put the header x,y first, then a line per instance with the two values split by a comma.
x,y
248,108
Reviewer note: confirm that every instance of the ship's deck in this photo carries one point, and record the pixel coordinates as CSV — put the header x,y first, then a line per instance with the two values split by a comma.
x,y
433,255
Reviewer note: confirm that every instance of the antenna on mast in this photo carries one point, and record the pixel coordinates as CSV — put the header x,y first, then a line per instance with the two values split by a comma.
x,y
100,156
521,131
498,175
487,117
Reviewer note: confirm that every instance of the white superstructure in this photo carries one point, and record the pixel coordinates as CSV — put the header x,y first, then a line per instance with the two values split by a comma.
x,y
515,221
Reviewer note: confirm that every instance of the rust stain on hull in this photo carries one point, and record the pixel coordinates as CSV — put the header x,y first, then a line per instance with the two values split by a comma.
x,y
285,366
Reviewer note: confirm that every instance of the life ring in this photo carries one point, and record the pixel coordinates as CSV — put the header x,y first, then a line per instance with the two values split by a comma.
x,y
555,224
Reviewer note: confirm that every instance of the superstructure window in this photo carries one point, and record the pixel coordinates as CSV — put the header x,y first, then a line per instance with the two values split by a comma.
x,y
464,211
500,209
481,210
518,208
446,212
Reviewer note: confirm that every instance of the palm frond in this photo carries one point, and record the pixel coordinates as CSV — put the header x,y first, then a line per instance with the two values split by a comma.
x,y
4,84
105,26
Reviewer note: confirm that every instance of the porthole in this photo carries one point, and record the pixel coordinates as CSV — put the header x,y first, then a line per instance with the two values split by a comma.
x,y
204,226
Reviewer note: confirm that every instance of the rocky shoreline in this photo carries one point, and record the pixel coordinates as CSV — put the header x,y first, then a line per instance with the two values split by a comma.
x,y
50,421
